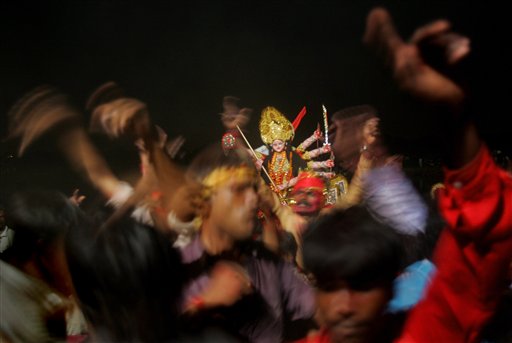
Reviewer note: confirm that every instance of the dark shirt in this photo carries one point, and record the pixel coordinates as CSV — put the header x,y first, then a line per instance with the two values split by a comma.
x,y
278,289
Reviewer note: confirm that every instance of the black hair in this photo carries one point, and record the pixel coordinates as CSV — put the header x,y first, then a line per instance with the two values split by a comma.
x,y
351,246
353,111
38,218
353,120
128,279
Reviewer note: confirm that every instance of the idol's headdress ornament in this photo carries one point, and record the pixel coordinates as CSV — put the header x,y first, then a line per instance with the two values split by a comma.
x,y
274,125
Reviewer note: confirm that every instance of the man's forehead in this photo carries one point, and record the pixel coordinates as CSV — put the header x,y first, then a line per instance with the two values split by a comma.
x,y
302,189
328,285
242,178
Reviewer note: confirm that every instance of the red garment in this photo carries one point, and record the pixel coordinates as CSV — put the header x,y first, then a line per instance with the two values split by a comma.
x,y
77,338
321,337
472,255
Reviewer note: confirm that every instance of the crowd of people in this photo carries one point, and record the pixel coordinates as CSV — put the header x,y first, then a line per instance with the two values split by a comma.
x,y
270,244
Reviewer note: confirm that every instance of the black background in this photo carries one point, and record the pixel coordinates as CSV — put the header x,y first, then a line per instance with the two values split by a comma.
x,y
182,57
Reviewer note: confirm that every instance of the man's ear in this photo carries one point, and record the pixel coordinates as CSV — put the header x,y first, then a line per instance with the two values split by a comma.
x,y
370,131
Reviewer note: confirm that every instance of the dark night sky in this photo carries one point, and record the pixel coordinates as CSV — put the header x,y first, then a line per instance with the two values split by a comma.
x,y
181,58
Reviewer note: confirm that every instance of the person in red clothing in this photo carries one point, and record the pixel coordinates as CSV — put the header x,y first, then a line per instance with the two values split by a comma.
x,y
308,194
474,251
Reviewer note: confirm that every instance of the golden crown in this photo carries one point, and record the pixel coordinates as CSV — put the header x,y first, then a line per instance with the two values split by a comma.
x,y
274,125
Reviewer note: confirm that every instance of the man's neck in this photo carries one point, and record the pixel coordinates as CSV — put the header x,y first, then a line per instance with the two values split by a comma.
x,y
214,240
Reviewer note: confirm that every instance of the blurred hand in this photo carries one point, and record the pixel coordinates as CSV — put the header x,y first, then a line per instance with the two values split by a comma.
x,y
187,202
124,116
38,112
258,163
76,198
232,120
229,282
174,146
268,200
412,73
233,115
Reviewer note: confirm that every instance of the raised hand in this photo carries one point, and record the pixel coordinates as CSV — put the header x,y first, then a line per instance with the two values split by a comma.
x,y
38,112
428,67
233,115
174,146
229,282
411,70
76,198
122,116
187,202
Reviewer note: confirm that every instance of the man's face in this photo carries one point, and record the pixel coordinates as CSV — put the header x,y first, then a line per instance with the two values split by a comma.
x,y
346,142
308,201
351,315
278,145
234,206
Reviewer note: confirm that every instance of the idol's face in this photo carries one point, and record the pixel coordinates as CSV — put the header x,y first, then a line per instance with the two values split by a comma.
x,y
278,145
